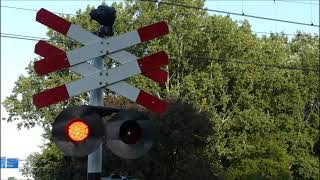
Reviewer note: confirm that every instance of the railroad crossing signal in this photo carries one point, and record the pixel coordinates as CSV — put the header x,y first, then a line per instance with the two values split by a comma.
x,y
78,130
93,78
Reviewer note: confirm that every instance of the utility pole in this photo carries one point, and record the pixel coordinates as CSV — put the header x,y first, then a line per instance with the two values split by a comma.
x,y
105,16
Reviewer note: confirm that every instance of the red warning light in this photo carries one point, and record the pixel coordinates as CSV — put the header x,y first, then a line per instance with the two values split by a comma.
x,y
77,130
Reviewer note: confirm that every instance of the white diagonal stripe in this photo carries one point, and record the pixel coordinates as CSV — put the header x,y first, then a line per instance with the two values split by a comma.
x,y
125,89
82,36
122,57
103,78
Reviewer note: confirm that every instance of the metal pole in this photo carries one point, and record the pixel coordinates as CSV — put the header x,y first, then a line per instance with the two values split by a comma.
x,y
95,158
105,16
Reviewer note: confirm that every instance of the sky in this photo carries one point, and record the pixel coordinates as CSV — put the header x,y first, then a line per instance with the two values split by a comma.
x,y
16,54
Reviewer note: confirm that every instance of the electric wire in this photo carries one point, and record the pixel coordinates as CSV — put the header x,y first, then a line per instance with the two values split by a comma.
x,y
199,8
311,14
10,35
201,57
23,38
282,33
253,63
18,8
297,2
26,36
31,38
232,13
33,10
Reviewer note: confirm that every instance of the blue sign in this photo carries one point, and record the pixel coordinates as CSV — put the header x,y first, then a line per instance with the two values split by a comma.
x,y
12,162
3,162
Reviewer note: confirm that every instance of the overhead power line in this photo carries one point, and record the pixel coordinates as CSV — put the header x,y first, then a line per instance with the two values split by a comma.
x,y
46,39
32,38
297,2
33,10
199,8
253,63
231,13
19,35
10,35
287,34
24,37
14,37
25,9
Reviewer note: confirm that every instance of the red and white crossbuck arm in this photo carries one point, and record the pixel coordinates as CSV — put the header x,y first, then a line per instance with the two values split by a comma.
x,y
79,34
110,78
45,49
97,46
85,69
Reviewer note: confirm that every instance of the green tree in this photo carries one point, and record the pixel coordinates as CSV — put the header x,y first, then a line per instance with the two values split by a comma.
x,y
12,178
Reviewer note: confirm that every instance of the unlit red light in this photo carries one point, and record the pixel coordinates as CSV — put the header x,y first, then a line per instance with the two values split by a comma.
x,y
78,130
130,132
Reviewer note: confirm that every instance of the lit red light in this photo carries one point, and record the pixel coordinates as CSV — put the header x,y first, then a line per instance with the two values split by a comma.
x,y
77,130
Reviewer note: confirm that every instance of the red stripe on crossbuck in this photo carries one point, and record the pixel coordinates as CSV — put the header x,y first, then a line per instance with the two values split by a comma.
x,y
53,21
153,61
51,64
51,96
157,75
45,49
151,102
153,31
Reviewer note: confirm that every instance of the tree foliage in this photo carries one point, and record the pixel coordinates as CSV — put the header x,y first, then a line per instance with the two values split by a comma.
x,y
239,114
